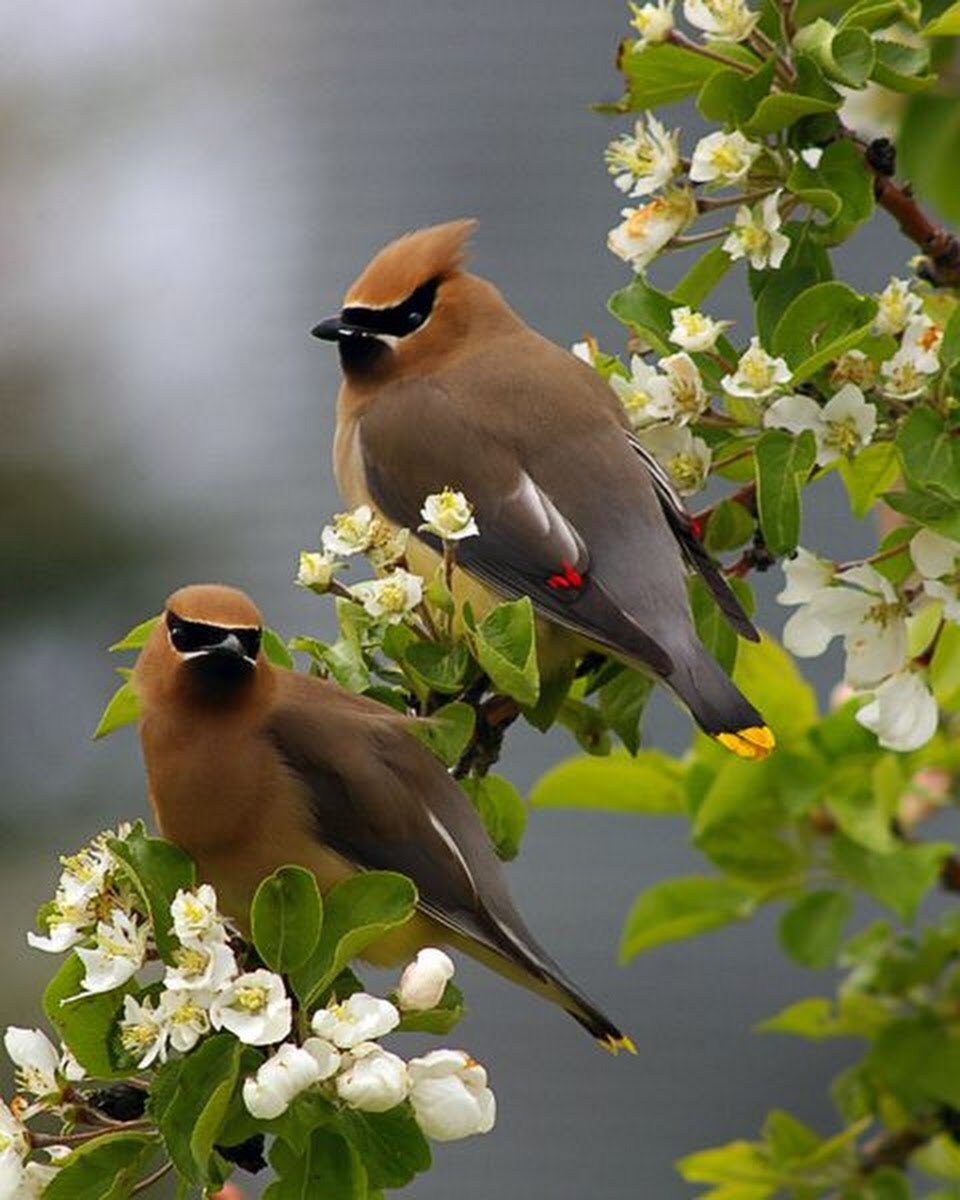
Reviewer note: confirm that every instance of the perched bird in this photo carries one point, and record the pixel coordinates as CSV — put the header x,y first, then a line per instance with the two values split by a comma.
x,y
251,768
444,385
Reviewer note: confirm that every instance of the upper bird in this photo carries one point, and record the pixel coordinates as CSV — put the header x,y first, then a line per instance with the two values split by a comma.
x,y
251,768
445,386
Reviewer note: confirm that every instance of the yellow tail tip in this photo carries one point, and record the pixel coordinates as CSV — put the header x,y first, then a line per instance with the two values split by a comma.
x,y
613,1045
756,742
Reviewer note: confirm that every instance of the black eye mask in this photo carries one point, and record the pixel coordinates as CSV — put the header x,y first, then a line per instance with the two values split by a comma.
x,y
190,636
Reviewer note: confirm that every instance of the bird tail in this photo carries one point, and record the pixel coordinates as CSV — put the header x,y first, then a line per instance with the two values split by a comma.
x,y
717,705
565,993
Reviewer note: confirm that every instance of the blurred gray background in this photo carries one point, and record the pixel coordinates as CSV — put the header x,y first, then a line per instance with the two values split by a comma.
x,y
185,190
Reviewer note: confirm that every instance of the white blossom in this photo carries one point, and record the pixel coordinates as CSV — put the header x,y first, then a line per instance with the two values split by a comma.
x,y
388,545
805,575
278,1082
586,350
688,396
684,457
873,111
723,158
35,1180
325,1054
693,331
119,952
896,306
653,22
201,966
424,981
756,234
390,598
901,378
644,231
255,1008
36,1058
645,396
922,339
185,1016
646,160
903,713
143,1031
758,374
14,1148
937,558
359,1018
450,1097
350,533
195,914
863,608
315,570
449,515
844,425
374,1081
731,20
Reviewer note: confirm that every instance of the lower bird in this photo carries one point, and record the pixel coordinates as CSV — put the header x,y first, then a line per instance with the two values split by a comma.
x,y
444,385
251,768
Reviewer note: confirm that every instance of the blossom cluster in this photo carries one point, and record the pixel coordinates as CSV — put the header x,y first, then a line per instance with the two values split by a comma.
x,y
873,617
203,988
447,515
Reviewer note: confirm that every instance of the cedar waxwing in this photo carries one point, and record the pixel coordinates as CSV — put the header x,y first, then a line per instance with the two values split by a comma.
x,y
251,768
444,385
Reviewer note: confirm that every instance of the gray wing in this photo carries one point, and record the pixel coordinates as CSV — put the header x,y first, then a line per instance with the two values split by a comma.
x,y
383,802
414,442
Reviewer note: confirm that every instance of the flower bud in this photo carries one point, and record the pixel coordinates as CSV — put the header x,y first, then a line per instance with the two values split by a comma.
x,y
424,981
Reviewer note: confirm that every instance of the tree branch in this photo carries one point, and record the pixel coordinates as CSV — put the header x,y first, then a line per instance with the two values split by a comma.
x,y
941,247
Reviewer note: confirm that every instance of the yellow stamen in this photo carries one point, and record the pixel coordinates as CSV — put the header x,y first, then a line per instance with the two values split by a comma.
x,y
613,1045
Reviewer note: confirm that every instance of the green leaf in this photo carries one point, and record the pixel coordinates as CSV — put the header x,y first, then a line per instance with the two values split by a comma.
x,y
505,646
651,783
447,732
806,263
865,816
104,1169
646,311
928,147
586,725
436,668
622,700
136,639
683,908
942,516
661,74
85,1024
782,463
275,650
329,1167
877,14
811,928
839,186
946,25
730,525
731,97
845,56
702,277
440,1019
821,324
950,346
902,68
286,917
780,110
740,1168
930,453
920,1060
898,880
501,810
945,667
390,1144
158,870
355,913
868,475
123,708
192,1100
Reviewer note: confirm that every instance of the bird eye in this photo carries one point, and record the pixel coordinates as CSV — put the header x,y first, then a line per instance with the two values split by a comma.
x,y
414,319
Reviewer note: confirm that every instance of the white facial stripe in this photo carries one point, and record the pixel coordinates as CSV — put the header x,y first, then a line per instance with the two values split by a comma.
x,y
187,655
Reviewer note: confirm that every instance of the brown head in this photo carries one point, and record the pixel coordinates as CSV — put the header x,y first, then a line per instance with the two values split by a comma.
x,y
413,307
205,648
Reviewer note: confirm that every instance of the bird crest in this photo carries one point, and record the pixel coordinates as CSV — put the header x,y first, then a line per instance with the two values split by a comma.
x,y
413,259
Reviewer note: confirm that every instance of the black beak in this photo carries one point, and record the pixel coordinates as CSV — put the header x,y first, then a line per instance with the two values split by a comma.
x,y
328,330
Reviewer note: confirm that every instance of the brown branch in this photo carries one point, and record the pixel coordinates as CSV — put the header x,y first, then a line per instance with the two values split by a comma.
x,y
941,247
892,1149
494,717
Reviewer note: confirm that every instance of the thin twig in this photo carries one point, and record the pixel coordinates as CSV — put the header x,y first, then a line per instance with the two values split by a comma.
x,y
679,39
684,243
710,203
149,1180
